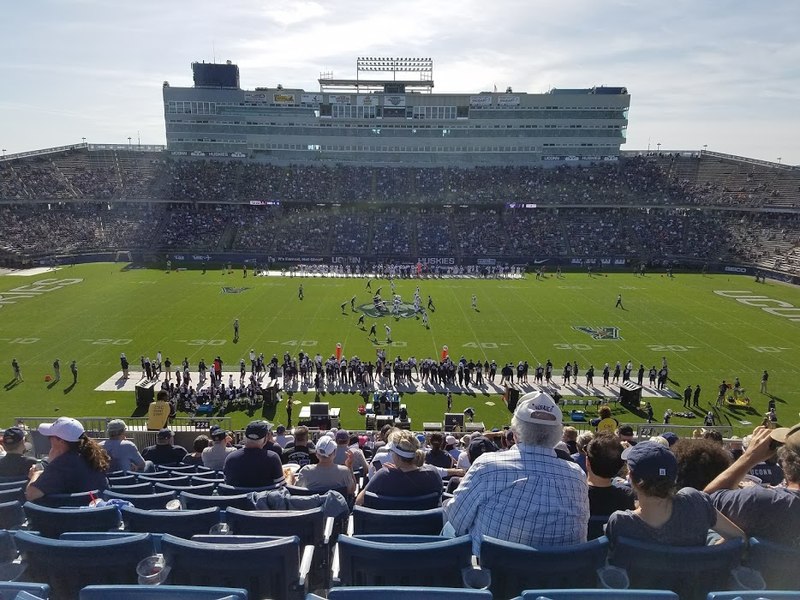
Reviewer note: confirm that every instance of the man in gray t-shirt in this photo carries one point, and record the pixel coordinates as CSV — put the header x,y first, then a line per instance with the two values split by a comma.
x,y
326,475
124,454
214,456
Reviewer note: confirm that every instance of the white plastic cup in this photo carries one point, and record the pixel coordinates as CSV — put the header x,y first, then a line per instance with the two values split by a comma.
x,y
152,570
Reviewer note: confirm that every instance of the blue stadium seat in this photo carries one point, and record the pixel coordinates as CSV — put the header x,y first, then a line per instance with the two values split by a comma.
x,y
68,565
428,501
760,595
211,477
194,501
181,469
8,551
272,569
146,487
8,483
171,480
161,592
579,594
310,526
143,501
690,571
52,522
404,593
421,522
368,562
596,526
11,515
63,500
223,489
10,590
121,480
179,523
11,495
778,564
150,475
516,567
201,490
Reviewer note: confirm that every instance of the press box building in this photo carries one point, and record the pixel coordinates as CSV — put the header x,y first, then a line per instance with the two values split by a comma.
x,y
368,121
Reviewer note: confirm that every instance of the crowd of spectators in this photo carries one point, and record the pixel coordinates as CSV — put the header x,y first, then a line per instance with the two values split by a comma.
x,y
766,239
657,180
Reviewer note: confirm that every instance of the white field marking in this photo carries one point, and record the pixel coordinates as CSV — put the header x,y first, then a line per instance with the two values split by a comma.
x,y
29,272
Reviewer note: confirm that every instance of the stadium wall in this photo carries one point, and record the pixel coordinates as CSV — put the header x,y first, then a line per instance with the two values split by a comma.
x,y
236,260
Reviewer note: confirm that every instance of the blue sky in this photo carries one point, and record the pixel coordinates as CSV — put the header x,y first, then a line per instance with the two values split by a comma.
x,y
725,74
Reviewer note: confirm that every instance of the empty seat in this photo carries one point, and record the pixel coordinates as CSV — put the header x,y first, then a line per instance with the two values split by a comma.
x,y
760,595
223,489
270,569
404,593
516,567
143,501
690,571
11,515
68,565
310,526
12,494
381,562
421,522
180,523
121,480
52,522
202,490
161,592
177,480
181,469
372,500
205,478
578,594
195,501
146,487
11,590
777,563
14,483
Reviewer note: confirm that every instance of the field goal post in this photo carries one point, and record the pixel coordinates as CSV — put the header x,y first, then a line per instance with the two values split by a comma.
x,y
123,256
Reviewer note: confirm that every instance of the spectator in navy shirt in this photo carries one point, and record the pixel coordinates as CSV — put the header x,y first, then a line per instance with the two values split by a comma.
x,y
76,463
164,452
254,466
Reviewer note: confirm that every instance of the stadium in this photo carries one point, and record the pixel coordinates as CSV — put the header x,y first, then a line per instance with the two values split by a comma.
x,y
376,254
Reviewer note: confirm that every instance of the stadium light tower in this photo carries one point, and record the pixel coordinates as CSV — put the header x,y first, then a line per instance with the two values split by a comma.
x,y
4,152
83,139
779,158
658,145
129,142
705,147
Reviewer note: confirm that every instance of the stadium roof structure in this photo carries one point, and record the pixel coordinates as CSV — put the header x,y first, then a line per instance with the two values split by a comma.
x,y
370,64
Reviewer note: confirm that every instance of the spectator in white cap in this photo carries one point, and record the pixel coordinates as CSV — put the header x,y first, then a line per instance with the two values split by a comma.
x,y
326,474
526,494
76,462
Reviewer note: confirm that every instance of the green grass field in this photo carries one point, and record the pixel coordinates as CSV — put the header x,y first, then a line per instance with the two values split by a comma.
x,y
705,336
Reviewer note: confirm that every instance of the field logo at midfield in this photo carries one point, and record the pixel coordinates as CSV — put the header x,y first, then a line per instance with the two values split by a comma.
x,y
406,311
234,290
599,333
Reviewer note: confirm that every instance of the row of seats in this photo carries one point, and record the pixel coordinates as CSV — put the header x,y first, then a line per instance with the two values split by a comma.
x,y
35,591
284,563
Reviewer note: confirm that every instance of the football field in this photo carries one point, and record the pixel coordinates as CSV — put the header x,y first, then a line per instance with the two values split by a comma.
x,y
709,328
